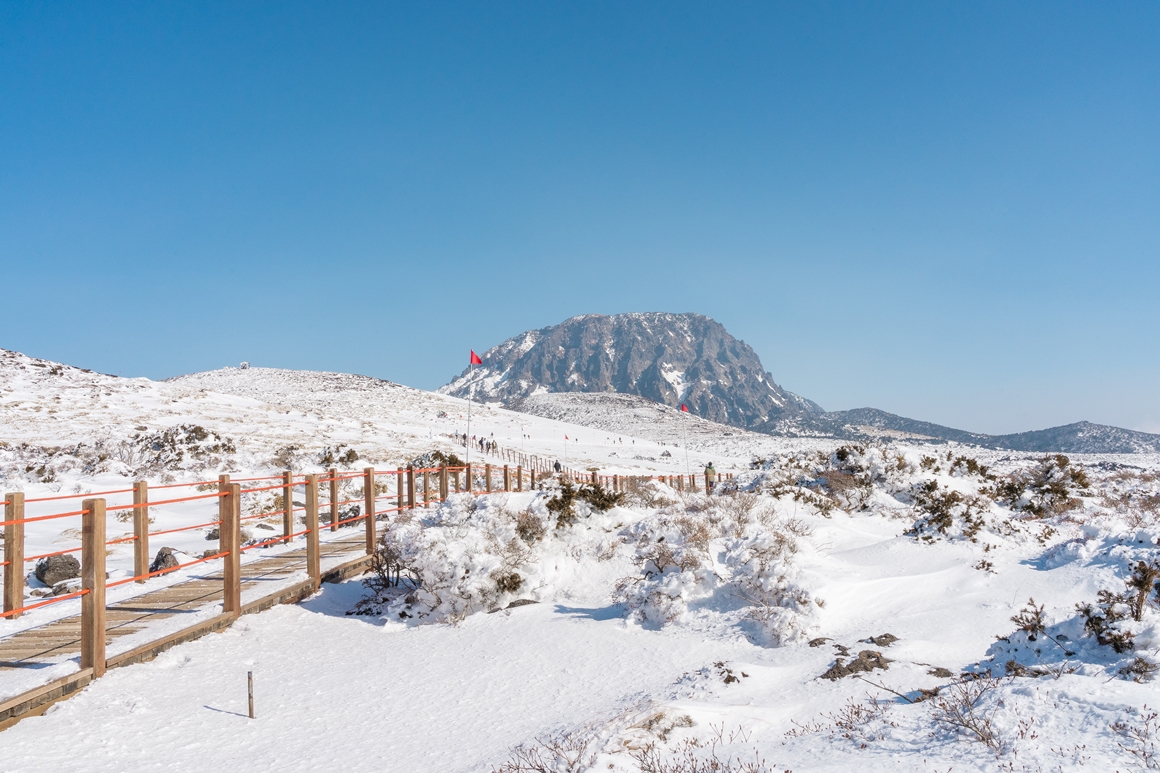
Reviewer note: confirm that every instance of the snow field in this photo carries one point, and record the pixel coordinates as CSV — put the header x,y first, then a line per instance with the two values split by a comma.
x,y
661,608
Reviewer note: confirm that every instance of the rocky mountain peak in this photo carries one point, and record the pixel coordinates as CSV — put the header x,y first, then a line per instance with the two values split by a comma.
x,y
668,358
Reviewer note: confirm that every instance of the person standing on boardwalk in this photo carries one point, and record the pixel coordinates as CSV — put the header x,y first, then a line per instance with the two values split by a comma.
x,y
558,466
710,477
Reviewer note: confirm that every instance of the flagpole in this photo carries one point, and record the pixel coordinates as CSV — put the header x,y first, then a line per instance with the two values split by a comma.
x,y
685,440
467,439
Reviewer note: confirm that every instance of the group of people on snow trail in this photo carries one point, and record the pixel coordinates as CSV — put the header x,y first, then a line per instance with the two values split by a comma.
x,y
487,445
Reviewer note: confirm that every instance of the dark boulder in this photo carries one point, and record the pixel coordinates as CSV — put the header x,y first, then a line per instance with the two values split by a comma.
x,y
56,569
867,661
165,559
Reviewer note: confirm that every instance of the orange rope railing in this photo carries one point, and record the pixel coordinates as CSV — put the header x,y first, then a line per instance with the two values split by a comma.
x,y
52,600
201,560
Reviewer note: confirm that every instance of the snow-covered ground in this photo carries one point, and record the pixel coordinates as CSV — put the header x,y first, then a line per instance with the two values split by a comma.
x,y
669,631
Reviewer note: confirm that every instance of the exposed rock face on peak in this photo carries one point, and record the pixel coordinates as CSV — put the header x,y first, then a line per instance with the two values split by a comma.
x,y
668,358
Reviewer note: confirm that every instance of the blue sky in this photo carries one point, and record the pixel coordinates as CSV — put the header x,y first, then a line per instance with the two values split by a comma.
x,y
949,211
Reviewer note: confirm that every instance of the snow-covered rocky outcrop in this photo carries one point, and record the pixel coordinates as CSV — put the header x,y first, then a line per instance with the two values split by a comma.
x,y
667,358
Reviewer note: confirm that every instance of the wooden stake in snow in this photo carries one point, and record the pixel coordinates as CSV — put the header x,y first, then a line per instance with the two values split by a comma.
x,y
250,687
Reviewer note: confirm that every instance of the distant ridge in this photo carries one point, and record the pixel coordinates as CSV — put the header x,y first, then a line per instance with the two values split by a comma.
x,y
1081,437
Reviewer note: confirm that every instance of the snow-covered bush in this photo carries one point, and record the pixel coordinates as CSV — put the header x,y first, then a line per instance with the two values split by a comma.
x,y
1052,487
479,553
947,512
730,555
464,557
1102,637
182,447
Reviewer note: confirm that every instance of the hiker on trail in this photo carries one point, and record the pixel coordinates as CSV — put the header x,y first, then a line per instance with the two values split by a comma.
x,y
710,477
558,466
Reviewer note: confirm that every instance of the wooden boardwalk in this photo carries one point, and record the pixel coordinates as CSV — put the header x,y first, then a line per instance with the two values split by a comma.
x,y
61,639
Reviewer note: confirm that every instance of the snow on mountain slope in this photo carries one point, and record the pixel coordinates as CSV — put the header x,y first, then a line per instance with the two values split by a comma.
x,y
629,415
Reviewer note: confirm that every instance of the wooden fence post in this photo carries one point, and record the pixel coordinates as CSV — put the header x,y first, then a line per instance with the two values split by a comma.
x,y
287,504
507,478
443,488
410,486
313,564
333,474
14,553
399,488
455,480
467,473
141,529
369,504
519,477
487,477
93,583
426,488
231,533
223,515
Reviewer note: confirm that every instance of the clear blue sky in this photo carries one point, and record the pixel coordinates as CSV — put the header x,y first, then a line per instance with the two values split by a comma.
x,y
949,211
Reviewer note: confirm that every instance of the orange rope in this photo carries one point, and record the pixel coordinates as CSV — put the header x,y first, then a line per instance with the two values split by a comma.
x,y
216,494
183,485
184,528
80,496
57,553
66,597
43,518
263,515
348,520
267,542
264,488
165,571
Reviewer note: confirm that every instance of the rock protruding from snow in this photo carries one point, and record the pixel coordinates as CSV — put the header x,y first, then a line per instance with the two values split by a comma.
x,y
668,358
56,569
166,558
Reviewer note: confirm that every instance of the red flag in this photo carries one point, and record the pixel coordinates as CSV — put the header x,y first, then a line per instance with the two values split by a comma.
x,y
475,358
683,408
565,437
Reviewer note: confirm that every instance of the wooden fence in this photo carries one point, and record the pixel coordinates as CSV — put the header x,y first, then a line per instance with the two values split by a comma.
x,y
383,492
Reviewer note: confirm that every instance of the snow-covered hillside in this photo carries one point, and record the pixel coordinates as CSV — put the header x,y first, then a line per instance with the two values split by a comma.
x,y
63,424
872,607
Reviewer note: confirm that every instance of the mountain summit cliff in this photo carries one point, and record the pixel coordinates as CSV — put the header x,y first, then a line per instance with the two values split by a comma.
x,y
668,358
